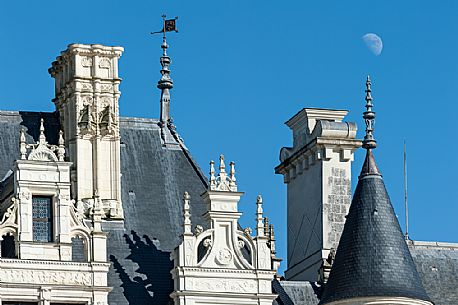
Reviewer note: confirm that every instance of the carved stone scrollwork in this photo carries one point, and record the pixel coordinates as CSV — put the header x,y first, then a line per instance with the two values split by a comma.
x,y
45,277
86,61
224,257
198,230
104,63
25,194
106,88
42,151
87,87
9,217
207,243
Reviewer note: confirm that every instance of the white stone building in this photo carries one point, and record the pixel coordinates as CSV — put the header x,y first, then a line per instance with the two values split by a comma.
x,y
88,216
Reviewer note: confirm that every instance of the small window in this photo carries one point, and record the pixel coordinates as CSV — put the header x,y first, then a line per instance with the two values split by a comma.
x,y
8,247
42,218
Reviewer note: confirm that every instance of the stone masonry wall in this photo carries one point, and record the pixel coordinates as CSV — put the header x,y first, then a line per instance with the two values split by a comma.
x,y
337,206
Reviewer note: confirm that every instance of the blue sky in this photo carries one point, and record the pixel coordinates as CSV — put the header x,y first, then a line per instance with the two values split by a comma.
x,y
242,68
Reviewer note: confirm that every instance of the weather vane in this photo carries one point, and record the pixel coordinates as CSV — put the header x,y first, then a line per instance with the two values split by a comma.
x,y
170,25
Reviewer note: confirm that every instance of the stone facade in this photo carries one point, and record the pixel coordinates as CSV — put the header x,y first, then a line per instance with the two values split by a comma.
x,y
40,266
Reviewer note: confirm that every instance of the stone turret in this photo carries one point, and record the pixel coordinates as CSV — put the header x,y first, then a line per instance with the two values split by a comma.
x,y
87,97
317,172
373,264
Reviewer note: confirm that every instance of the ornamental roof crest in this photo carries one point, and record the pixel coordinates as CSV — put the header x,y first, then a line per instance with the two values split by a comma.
x,y
42,151
223,182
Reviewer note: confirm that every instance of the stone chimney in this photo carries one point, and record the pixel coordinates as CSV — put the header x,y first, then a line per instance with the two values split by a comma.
x,y
317,172
87,96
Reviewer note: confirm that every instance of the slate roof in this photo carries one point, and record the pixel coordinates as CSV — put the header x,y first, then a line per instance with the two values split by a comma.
x,y
296,292
372,258
153,181
437,264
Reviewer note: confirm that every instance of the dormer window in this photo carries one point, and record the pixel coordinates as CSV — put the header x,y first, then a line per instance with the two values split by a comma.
x,y
42,218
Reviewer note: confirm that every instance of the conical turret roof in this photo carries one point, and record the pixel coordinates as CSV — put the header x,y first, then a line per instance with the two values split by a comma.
x,y
372,258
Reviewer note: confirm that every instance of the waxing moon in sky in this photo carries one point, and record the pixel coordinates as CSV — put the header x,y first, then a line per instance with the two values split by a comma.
x,y
374,43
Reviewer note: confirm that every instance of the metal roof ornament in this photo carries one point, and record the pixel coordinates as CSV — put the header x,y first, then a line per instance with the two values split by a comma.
x,y
165,83
369,118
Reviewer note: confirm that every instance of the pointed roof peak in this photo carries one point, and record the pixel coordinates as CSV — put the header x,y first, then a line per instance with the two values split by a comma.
x,y
370,167
369,118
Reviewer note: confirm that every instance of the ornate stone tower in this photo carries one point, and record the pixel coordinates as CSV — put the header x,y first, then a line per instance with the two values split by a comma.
x,y
317,172
87,95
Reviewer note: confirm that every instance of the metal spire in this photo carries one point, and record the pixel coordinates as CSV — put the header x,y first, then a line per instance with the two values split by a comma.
x,y
369,143
369,118
165,83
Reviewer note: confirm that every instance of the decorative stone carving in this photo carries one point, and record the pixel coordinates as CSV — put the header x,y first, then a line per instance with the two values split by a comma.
x,y
224,257
106,88
87,87
86,61
207,243
25,194
42,151
225,285
198,230
223,182
104,63
40,277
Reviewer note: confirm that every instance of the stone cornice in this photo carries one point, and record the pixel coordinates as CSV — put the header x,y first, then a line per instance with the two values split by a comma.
x,y
315,145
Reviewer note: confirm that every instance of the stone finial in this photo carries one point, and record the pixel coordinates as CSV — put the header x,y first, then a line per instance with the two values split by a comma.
x,y
187,227
97,212
272,239
22,144
266,226
42,137
259,222
222,166
223,182
212,174
232,180
369,118
61,146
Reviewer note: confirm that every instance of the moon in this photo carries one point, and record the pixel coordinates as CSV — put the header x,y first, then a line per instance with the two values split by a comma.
x,y
374,43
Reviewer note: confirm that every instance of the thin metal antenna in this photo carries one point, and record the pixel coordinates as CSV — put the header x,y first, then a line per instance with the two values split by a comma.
x,y
405,192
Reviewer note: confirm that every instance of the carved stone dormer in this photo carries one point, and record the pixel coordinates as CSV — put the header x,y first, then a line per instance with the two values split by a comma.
x,y
48,244
223,264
